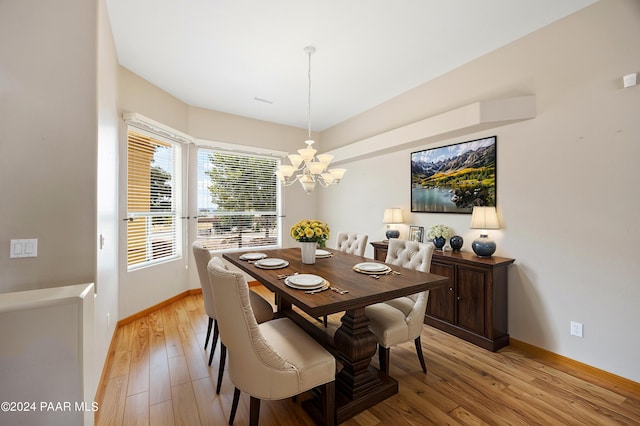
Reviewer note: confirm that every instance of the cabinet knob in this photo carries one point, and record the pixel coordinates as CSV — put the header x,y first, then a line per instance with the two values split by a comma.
x,y
459,298
451,289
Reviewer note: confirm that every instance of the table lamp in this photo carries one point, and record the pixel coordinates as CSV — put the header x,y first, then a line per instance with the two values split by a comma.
x,y
484,218
391,216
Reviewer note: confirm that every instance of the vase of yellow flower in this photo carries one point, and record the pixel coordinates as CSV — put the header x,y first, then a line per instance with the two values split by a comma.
x,y
310,234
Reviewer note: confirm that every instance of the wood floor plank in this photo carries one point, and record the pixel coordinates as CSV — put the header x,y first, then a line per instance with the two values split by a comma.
x,y
178,371
136,410
139,369
159,377
111,408
185,408
161,414
171,334
465,385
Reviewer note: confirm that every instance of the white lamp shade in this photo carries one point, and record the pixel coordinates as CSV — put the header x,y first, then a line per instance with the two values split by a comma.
x,y
307,154
393,215
328,178
295,160
325,159
484,218
337,173
286,170
308,184
316,167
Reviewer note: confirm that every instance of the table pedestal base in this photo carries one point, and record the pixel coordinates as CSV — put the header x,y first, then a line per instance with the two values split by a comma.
x,y
346,407
358,385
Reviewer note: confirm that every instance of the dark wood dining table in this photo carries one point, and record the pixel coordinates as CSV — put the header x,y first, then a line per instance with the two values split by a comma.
x,y
359,385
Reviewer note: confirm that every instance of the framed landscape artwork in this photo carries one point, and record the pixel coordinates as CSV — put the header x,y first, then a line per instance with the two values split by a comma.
x,y
454,178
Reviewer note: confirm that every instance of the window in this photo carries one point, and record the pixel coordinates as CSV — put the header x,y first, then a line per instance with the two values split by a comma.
x,y
153,199
238,200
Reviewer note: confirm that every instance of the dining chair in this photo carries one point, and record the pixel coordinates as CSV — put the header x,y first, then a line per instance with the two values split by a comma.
x,y
269,361
351,242
400,320
261,308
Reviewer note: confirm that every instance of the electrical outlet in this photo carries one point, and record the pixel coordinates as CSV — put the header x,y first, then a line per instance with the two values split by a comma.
x,y
576,329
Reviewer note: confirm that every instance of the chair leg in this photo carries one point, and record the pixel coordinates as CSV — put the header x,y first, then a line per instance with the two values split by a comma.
x,y
234,405
254,411
330,403
383,357
216,332
223,358
206,340
420,356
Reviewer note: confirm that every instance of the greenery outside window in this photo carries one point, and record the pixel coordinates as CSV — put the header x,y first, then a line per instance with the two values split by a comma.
x,y
153,199
238,200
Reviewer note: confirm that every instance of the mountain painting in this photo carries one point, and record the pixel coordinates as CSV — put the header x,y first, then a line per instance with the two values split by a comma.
x,y
454,178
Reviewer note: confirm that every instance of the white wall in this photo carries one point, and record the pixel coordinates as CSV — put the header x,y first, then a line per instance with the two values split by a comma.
x,y
51,103
566,180
47,356
106,307
48,148
146,287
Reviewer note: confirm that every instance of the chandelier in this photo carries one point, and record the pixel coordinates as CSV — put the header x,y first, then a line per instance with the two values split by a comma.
x,y
307,167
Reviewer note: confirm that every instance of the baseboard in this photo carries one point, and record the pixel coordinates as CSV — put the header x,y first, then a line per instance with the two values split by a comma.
x,y
101,382
169,301
575,366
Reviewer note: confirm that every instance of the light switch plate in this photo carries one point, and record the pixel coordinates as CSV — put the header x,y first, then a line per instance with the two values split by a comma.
x,y
24,248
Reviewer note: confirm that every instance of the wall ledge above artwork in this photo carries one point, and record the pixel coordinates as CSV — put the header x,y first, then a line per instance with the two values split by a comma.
x,y
468,119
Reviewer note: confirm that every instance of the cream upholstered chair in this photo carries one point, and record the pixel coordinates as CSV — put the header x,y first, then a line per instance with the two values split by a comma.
x,y
272,360
400,320
261,308
351,242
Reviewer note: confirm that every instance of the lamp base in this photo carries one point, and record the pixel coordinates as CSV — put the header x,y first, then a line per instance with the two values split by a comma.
x,y
483,246
392,233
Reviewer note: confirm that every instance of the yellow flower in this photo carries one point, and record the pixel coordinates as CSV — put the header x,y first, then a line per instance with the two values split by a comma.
x,y
310,231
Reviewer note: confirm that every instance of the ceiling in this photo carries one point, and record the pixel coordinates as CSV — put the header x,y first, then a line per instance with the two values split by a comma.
x,y
246,57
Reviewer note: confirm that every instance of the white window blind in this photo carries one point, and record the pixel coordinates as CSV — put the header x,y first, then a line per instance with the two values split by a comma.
x,y
238,200
153,199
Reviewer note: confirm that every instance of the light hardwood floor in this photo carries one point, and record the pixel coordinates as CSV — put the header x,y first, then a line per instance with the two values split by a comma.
x,y
158,375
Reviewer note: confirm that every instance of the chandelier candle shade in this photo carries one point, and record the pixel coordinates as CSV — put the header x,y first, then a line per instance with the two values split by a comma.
x,y
392,216
306,166
484,218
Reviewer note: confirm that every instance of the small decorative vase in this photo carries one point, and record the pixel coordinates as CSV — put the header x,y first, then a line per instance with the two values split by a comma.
x,y
308,253
439,242
456,242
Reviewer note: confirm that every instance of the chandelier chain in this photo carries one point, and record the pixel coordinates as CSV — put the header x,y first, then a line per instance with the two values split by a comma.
x,y
309,98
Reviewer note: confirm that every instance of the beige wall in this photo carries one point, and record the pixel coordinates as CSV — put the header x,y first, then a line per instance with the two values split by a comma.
x,y
58,156
48,144
146,287
566,179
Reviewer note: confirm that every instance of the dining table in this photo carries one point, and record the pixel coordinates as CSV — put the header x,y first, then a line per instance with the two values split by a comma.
x,y
349,289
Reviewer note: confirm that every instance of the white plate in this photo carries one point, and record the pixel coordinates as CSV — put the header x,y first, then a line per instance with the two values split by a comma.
x,y
253,256
371,267
323,253
288,283
305,280
270,262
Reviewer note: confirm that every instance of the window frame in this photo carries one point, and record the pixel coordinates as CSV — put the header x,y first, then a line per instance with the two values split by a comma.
x,y
234,151
177,185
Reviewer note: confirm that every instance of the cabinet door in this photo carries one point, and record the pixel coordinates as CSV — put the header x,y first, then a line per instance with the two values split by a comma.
x,y
442,301
471,299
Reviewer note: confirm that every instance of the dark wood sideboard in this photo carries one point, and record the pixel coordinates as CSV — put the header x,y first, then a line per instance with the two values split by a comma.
x,y
473,305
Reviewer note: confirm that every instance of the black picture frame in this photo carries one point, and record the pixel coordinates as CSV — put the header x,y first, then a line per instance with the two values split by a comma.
x,y
454,178
416,233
